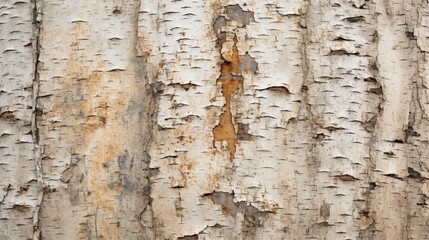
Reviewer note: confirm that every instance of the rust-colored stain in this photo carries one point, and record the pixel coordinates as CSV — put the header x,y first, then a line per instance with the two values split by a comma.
x,y
225,130
230,75
185,169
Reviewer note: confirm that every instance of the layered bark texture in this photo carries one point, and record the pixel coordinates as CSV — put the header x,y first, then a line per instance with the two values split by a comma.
x,y
186,119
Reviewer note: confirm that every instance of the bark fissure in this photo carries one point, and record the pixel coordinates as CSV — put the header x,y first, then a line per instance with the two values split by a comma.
x,y
37,21
96,223
366,215
152,116
149,114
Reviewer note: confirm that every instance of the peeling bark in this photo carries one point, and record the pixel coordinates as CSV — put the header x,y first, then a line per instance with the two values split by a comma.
x,y
141,119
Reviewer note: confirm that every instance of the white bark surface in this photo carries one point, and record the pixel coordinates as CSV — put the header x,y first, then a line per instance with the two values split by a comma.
x,y
19,188
301,119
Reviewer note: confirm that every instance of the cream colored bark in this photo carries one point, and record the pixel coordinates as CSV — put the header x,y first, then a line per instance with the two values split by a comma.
x,y
301,119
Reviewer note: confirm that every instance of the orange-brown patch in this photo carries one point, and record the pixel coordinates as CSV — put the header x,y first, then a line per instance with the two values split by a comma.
x,y
225,130
270,208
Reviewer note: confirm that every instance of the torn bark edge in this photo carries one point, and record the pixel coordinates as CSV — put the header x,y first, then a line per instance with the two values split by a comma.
x,y
36,22
195,236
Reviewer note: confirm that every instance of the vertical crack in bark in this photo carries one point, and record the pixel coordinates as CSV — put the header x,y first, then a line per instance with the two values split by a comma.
x,y
34,129
312,157
225,130
409,132
366,215
149,118
95,223
424,115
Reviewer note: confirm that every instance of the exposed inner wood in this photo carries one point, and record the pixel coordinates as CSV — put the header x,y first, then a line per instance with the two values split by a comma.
x,y
225,130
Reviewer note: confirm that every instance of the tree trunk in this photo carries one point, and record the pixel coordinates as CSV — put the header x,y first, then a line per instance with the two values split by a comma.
x,y
141,119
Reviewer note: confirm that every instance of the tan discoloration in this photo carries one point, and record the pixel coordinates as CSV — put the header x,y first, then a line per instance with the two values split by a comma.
x,y
185,169
98,177
270,207
79,90
93,105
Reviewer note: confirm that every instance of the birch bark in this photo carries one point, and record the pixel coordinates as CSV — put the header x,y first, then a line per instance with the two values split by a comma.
x,y
220,119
